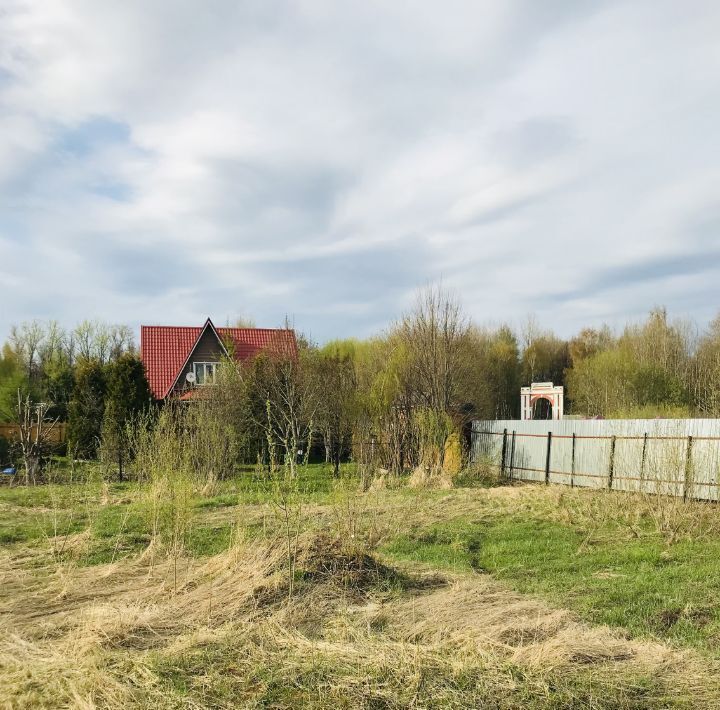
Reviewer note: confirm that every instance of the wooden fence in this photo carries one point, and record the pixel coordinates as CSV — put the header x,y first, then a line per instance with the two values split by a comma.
x,y
679,457
58,434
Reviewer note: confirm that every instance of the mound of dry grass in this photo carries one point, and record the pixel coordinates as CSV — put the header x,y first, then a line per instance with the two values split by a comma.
x,y
429,477
327,560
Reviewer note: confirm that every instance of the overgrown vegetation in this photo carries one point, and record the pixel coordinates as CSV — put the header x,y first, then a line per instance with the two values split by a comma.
x,y
370,400
367,399
469,597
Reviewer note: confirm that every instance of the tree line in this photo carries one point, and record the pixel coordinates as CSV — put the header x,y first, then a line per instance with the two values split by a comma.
x,y
90,377
399,401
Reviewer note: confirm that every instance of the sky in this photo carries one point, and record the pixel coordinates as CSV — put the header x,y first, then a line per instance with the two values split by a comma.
x,y
164,161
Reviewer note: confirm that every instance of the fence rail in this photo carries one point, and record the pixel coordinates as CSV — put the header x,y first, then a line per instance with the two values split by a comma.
x,y
678,457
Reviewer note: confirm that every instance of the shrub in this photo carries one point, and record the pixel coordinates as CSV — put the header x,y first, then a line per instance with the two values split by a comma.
x,y
4,451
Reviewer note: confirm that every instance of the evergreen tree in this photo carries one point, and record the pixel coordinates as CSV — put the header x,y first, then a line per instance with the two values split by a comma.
x,y
128,393
335,378
57,384
86,409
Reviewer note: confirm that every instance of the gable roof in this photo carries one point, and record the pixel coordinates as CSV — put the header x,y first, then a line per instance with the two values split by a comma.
x,y
165,350
207,327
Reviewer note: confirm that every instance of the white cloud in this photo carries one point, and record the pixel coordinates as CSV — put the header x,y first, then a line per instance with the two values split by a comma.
x,y
168,160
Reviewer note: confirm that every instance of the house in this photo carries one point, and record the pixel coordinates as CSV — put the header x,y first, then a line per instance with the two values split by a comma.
x,y
180,359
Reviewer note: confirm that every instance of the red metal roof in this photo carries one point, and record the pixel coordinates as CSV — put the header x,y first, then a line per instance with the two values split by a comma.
x,y
166,348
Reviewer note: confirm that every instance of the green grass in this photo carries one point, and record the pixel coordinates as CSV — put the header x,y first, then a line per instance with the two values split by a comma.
x,y
618,575
642,584
34,513
120,522
38,527
255,671
651,589
206,540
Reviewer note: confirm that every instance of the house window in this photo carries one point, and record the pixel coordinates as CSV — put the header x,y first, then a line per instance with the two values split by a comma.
x,y
205,372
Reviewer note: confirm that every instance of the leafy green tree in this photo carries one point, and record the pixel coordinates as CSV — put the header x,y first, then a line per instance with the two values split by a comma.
x,y
13,377
630,379
492,389
127,394
504,373
545,359
86,409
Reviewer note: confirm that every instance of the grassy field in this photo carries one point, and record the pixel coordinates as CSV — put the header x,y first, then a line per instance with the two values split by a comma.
x,y
316,594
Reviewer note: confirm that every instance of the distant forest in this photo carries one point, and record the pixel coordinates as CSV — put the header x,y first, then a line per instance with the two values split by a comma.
x,y
658,368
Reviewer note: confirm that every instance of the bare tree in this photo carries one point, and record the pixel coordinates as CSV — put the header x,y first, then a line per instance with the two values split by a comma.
x,y
35,430
433,334
283,402
102,342
52,343
244,322
706,372
84,337
430,363
121,341
529,333
26,340
291,405
70,346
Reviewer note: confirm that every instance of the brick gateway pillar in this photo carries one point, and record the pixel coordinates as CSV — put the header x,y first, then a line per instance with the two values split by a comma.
x,y
541,390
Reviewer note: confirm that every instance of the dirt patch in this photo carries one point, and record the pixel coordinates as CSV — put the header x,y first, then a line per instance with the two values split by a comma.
x,y
667,618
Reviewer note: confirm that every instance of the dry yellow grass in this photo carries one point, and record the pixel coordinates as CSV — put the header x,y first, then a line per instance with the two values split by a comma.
x,y
153,631
355,634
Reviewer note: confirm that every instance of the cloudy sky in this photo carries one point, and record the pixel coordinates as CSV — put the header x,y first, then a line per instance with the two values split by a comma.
x,y
166,160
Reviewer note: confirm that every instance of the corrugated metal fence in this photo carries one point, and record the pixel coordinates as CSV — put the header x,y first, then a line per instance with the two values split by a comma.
x,y
678,457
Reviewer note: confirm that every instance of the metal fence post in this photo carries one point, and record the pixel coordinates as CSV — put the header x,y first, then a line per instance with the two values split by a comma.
x,y
512,454
687,482
611,470
572,463
642,462
547,459
504,453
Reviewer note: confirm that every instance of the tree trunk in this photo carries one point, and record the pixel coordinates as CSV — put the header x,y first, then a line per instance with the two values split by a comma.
x,y
337,447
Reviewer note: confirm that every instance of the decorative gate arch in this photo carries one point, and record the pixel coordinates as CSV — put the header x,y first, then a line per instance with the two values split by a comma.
x,y
541,390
